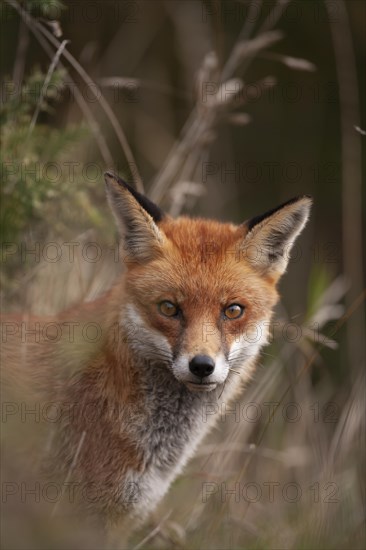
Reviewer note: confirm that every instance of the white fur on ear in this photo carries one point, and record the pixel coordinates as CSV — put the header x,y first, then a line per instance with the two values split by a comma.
x,y
135,216
271,236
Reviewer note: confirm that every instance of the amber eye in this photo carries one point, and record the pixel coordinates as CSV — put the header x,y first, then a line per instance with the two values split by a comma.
x,y
168,309
234,311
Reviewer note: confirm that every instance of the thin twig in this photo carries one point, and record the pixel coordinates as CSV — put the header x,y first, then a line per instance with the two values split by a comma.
x,y
203,117
20,57
243,50
274,16
247,50
129,83
47,80
250,20
72,466
351,176
152,533
30,21
84,107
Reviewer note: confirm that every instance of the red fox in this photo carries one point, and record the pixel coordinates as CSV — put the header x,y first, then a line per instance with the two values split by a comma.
x,y
189,314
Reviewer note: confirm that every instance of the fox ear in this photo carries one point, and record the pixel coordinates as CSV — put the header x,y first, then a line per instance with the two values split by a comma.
x,y
136,217
271,236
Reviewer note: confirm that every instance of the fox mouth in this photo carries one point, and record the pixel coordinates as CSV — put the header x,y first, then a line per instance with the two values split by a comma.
x,y
201,386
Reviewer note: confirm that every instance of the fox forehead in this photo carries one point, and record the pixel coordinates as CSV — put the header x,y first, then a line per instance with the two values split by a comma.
x,y
191,235
200,244
201,264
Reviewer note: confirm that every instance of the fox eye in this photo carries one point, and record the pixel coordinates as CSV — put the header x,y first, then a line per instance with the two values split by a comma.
x,y
234,311
168,308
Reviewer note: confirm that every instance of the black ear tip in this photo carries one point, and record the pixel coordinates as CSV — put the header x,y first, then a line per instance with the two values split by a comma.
x,y
258,219
151,208
110,175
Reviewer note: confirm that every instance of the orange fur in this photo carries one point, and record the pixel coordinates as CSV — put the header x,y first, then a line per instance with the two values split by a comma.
x,y
202,266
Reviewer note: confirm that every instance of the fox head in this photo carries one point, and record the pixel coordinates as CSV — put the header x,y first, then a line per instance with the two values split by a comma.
x,y
199,294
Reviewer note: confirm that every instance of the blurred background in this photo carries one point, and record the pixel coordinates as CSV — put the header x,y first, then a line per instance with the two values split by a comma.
x,y
221,109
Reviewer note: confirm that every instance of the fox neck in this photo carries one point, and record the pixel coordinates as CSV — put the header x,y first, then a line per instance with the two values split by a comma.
x,y
167,420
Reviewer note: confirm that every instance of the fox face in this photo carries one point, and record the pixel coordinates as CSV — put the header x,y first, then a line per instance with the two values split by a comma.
x,y
199,294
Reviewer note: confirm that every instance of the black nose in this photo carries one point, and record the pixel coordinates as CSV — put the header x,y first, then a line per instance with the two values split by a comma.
x,y
202,365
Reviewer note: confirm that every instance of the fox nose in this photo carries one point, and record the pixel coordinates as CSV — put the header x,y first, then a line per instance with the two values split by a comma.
x,y
201,365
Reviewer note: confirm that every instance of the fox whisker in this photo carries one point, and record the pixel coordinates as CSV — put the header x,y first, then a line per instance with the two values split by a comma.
x,y
234,371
